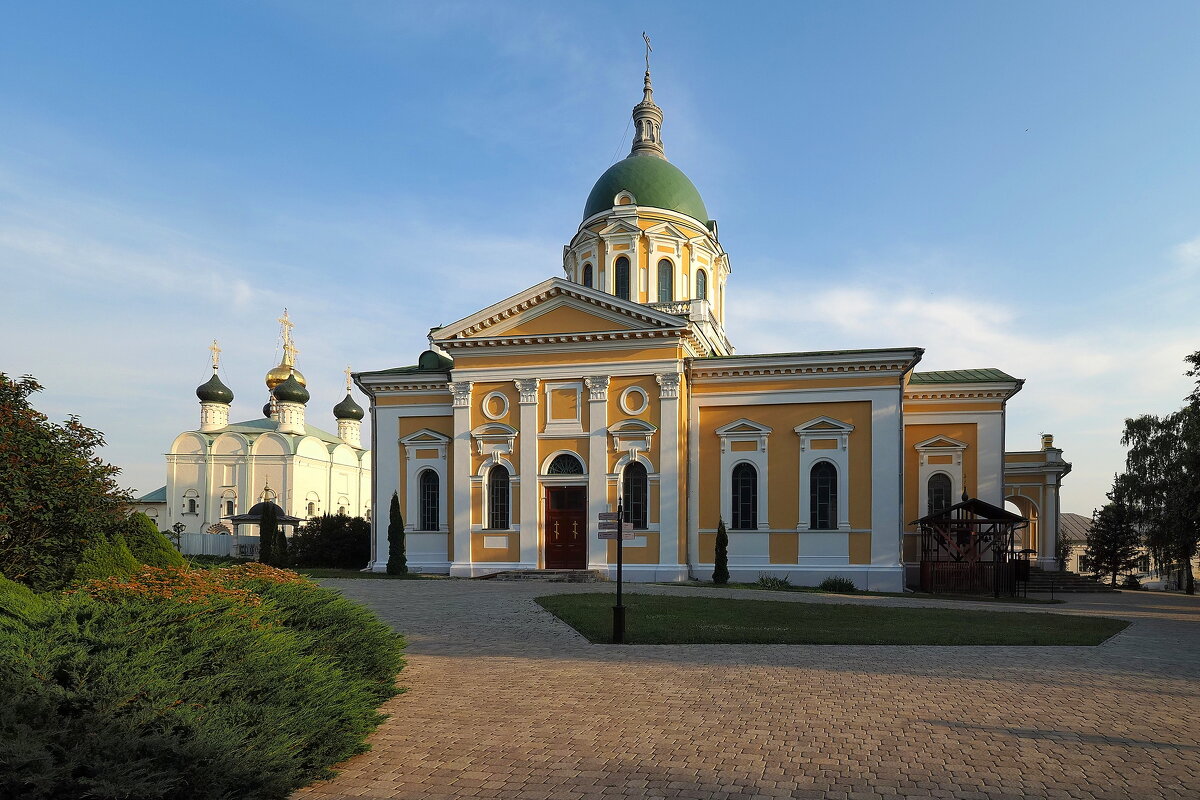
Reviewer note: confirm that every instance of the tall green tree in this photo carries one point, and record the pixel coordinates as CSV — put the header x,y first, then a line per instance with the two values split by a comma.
x,y
1113,543
1161,482
721,557
397,559
56,495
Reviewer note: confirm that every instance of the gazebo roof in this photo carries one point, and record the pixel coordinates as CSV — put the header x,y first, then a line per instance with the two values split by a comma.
x,y
255,514
972,505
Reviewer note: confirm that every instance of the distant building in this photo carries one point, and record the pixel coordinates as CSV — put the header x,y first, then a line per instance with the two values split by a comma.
x,y
222,469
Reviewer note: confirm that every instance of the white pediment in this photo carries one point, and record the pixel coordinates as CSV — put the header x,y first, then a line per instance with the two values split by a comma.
x,y
620,227
824,425
666,230
742,427
941,442
425,436
579,309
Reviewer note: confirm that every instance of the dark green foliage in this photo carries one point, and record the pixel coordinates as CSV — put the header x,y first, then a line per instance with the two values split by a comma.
x,y
1131,582
357,641
772,582
397,559
721,560
148,697
56,495
268,526
332,540
1161,482
836,583
107,558
1113,541
148,544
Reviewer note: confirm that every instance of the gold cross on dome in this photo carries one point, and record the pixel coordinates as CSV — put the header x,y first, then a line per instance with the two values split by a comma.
x,y
348,380
285,331
216,354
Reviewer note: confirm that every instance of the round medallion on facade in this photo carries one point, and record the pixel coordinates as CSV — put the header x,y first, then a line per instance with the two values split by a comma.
x,y
495,405
634,400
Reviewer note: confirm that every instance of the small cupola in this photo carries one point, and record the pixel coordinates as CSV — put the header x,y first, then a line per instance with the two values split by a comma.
x,y
215,396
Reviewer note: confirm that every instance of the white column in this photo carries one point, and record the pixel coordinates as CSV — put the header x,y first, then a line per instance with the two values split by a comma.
x,y
1048,522
597,468
530,491
668,477
385,452
887,523
990,459
460,479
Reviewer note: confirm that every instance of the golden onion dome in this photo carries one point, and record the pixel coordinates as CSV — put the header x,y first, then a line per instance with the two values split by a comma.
x,y
279,374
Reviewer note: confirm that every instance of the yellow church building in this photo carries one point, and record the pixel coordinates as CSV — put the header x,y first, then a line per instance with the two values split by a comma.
x,y
616,383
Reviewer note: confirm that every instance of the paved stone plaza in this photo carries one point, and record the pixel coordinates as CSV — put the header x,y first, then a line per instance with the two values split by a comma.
x,y
505,701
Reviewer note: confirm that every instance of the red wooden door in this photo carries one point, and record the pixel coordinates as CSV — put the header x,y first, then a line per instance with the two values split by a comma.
x,y
566,527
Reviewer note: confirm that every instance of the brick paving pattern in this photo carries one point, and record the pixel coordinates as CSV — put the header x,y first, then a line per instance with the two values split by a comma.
x,y
504,701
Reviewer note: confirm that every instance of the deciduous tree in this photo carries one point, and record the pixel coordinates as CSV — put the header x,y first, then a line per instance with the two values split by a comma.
x,y
1113,541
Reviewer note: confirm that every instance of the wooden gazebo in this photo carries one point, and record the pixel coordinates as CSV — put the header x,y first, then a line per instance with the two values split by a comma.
x,y
968,548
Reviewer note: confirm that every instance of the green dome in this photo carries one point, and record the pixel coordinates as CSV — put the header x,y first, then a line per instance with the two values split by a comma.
x,y
290,391
652,181
348,409
214,391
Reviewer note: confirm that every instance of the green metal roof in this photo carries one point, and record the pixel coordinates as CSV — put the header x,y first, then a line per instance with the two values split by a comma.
x,y
652,181
429,361
157,496
259,426
986,375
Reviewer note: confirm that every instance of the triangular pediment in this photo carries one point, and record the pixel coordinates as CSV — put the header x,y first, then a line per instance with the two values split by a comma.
x,y
617,226
667,231
824,425
425,436
558,307
742,426
941,442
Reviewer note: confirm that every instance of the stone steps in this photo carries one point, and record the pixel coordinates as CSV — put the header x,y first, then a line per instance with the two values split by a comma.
x,y
551,575
1042,581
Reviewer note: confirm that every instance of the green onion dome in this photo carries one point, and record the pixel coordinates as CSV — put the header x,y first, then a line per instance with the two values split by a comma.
x,y
653,181
267,409
290,391
348,409
214,391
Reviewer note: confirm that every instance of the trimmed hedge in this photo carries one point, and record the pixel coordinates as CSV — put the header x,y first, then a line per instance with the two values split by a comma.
x,y
106,558
242,682
149,545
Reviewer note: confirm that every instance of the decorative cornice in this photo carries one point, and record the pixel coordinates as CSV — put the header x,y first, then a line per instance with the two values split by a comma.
x,y
597,386
528,387
703,372
963,394
565,338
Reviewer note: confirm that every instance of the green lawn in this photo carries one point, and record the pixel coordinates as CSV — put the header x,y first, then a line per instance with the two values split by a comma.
x,y
977,598
659,619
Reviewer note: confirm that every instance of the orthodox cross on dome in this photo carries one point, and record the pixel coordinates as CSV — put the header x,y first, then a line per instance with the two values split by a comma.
x,y
285,332
348,379
647,117
216,355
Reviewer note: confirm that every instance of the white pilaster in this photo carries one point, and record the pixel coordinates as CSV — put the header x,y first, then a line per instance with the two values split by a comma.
x,y
461,479
385,438
1048,523
530,491
668,470
597,386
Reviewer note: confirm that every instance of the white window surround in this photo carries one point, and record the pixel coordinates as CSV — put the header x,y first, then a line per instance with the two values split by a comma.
x,y
557,480
494,439
744,430
479,481
632,434
819,429
565,426
939,446
425,439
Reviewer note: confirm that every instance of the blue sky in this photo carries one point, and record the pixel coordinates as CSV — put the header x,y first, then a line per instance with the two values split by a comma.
x,y
1006,185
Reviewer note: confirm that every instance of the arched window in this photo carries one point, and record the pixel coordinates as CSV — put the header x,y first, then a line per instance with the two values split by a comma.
x,y
939,492
635,495
312,508
341,511
191,506
498,498
701,285
229,508
822,493
745,497
622,278
666,281
430,488
565,464
587,274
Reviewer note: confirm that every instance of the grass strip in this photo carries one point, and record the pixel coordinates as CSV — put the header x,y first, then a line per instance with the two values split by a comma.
x,y
664,619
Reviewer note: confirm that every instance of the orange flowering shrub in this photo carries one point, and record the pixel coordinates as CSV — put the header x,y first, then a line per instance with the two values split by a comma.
x,y
255,571
181,584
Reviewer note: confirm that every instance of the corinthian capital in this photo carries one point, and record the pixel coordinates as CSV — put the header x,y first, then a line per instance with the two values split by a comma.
x,y
668,383
528,388
462,393
597,386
